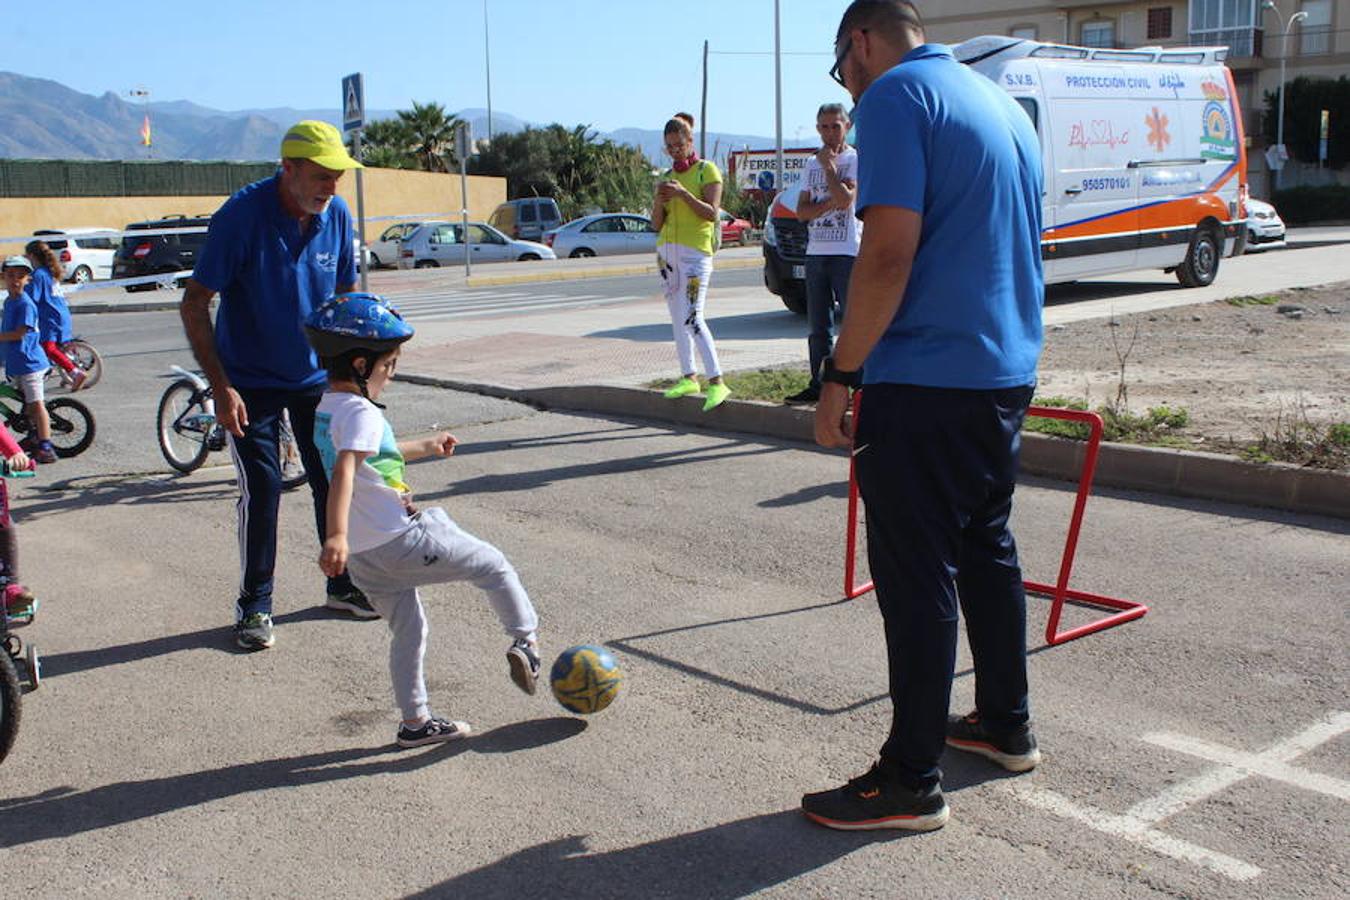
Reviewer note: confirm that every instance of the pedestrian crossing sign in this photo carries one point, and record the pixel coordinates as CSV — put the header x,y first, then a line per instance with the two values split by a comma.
x,y
353,103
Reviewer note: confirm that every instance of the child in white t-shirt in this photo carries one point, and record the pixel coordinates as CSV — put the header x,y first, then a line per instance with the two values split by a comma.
x,y
374,532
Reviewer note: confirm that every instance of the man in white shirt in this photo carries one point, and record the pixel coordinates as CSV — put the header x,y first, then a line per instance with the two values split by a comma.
x,y
827,206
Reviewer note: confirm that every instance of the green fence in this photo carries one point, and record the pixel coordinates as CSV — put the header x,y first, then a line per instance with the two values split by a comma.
x,y
97,178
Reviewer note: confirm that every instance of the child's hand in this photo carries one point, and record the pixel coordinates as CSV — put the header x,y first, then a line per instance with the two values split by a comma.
x,y
333,559
442,444
20,462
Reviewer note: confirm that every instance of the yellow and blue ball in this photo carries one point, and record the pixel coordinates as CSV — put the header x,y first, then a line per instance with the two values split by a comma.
x,y
585,678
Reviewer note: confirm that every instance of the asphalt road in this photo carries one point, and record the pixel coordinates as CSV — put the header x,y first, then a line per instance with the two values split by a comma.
x,y
1200,751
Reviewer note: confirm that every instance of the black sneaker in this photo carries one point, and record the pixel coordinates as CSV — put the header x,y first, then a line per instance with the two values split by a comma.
x,y
524,662
804,397
254,632
872,801
354,602
432,731
1015,750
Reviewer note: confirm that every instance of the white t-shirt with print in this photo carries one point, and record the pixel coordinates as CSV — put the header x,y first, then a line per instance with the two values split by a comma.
x,y
837,232
378,513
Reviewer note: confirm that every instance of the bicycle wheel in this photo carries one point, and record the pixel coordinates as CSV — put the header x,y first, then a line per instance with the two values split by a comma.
x,y
10,700
83,354
183,430
292,467
72,426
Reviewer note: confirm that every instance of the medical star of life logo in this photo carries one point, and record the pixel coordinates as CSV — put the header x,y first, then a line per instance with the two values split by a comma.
x,y
1157,130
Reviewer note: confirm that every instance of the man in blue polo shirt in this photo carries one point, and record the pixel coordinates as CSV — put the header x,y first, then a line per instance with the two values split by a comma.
x,y
275,251
944,309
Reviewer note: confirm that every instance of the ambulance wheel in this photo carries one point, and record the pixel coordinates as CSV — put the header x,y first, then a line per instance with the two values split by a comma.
x,y
1202,259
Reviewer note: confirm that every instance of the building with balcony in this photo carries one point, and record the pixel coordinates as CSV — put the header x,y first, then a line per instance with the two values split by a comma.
x,y
1316,46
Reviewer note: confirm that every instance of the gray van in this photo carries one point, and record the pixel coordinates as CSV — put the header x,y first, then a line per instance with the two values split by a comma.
x,y
527,218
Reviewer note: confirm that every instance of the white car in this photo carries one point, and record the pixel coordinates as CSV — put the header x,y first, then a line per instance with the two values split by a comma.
x,y
384,250
605,234
1265,228
85,253
433,244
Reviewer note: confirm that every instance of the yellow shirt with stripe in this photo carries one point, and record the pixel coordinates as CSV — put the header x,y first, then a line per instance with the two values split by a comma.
x,y
683,226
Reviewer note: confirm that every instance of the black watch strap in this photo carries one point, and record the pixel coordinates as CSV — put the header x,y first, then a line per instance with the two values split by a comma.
x,y
829,372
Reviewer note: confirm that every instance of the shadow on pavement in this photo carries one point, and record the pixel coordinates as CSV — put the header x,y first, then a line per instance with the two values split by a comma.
x,y
63,812
734,859
126,490
769,325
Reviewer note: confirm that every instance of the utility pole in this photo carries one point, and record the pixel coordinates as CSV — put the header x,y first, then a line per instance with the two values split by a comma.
x,y
777,97
487,58
703,109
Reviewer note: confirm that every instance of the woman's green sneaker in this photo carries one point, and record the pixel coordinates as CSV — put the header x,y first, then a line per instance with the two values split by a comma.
x,y
716,394
682,387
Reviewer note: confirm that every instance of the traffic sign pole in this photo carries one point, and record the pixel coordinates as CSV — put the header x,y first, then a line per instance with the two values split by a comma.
x,y
354,120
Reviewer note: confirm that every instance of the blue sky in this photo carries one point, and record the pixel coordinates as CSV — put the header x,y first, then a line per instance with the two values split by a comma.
x,y
608,63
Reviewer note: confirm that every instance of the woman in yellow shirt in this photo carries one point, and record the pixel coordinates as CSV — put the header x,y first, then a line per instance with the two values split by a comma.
x,y
684,211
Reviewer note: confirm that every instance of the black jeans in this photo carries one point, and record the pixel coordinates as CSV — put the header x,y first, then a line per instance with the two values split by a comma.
x,y
936,470
257,464
826,288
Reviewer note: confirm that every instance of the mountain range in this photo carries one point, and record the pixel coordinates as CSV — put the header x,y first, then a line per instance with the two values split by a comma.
x,y
44,119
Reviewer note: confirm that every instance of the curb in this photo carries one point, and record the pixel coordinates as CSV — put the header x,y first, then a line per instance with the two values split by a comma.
x,y
1184,473
608,272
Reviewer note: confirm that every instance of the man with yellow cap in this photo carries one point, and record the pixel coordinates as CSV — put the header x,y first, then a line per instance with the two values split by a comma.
x,y
274,252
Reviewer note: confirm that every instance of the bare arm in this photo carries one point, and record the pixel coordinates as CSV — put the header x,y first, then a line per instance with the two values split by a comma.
x,y
658,209
807,209
195,311
875,292
439,444
333,558
842,191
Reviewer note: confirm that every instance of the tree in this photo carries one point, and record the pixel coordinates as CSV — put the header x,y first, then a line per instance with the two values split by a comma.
x,y
431,134
386,144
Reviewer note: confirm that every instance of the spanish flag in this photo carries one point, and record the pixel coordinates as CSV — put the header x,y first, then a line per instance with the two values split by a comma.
x,y
145,131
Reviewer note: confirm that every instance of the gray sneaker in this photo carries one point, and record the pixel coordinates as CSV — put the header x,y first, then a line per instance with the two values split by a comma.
x,y
354,602
524,662
254,632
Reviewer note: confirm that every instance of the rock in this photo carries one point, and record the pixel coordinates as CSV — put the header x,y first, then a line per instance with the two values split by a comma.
x,y
1294,314
1331,311
1196,319
1285,309
1056,327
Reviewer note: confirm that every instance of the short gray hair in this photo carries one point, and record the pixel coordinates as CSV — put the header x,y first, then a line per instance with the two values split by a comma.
x,y
832,109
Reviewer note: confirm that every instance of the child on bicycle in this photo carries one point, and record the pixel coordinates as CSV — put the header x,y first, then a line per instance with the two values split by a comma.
x,y
18,600
389,547
25,363
54,326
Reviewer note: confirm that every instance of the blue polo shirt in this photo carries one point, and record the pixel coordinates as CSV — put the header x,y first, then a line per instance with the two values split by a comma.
x,y
270,277
937,138
53,314
24,356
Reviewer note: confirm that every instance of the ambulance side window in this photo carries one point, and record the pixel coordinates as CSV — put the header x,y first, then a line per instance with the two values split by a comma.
x,y
1029,107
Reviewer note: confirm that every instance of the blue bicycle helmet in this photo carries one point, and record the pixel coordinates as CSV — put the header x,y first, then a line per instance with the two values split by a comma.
x,y
355,321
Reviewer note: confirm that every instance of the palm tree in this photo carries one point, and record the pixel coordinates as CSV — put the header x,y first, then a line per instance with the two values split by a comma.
x,y
431,133
386,144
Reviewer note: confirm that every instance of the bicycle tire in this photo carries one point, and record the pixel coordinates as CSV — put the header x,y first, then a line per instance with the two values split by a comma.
x,y
83,354
293,473
191,452
72,426
11,704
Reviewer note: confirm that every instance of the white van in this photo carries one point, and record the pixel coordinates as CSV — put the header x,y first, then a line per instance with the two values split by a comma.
x,y
1145,162
85,253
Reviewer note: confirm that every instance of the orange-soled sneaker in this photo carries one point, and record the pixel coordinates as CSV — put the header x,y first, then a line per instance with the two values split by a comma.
x,y
1014,750
873,802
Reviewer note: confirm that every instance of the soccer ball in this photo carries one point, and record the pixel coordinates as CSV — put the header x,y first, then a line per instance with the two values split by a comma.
x,y
585,678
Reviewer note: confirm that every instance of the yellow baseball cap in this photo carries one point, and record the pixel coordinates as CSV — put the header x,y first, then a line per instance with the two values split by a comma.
x,y
317,141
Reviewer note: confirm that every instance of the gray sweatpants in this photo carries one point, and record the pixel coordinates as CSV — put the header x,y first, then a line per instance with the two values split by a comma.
x,y
433,551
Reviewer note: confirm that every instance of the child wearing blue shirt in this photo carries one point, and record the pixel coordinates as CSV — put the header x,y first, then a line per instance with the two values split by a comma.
x,y
25,362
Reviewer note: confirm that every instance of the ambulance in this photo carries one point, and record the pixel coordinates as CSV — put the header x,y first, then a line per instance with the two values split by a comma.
x,y
1144,159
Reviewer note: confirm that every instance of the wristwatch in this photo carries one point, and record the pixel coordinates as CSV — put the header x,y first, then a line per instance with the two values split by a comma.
x,y
828,372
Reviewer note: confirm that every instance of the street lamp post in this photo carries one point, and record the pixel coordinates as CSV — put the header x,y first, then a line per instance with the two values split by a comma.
x,y
1284,54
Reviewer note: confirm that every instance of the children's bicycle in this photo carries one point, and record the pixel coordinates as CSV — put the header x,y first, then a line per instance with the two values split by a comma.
x,y
16,655
85,357
189,431
72,422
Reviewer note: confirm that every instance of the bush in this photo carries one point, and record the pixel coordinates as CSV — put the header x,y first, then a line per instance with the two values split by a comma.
x,y
1302,205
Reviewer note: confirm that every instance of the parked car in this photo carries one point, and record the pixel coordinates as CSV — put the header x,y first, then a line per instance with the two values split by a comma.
x,y
1265,228
527,218
384,250
734,230
785,251
159,254
85,253
606,234
434,244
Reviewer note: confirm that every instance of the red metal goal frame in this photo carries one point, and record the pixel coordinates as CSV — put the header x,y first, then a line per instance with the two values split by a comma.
x,y
1059,592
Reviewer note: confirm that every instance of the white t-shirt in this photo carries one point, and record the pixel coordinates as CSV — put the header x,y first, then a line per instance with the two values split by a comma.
x,y
837,232
378,513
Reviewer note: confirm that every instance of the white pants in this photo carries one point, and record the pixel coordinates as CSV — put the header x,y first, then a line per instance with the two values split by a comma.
x,y
434,551
686,274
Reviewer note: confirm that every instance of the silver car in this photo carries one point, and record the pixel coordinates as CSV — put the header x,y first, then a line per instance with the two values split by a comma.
x,y
605,234
384,250
1265,228
433,244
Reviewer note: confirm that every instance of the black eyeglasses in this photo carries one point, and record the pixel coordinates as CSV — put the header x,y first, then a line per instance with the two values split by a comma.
x,y
839,60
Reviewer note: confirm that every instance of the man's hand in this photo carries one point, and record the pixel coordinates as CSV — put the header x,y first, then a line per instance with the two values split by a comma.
x,y
834,427
333,559
231,412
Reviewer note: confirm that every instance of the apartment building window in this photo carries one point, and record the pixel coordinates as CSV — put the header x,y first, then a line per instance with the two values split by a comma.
x,y
1316,29
1099,33
1160,23
1230,23
1024,32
